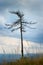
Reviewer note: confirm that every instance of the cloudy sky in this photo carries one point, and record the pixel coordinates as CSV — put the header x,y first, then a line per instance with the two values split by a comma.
x,y
33,11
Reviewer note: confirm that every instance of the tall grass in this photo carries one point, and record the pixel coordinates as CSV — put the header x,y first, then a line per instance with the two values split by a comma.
x,y
26,61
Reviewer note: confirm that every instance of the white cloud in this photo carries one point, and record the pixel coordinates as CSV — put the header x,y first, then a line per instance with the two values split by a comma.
x,y
32,10
2,20
23,2
13,43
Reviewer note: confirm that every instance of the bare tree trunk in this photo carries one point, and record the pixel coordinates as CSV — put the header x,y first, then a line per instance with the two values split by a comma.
x,y
21,38
21,44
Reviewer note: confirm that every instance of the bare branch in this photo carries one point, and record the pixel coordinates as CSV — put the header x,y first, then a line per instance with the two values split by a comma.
x,y
32,22
25,22
10,27
15,29
13,24
12,12
16,23
18,13
29,27
29,22
8,24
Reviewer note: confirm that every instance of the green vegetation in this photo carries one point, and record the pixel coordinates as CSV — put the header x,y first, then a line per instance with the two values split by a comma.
x,y
26,61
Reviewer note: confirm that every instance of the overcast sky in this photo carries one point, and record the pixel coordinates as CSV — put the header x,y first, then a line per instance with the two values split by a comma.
x,y
33,11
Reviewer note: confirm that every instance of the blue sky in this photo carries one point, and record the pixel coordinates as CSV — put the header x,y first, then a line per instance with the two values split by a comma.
x,y
33,11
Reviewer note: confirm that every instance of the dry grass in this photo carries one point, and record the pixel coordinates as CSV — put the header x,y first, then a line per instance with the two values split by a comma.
x,y
26,61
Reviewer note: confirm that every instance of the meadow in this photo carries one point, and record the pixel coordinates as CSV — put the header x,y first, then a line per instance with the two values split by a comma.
x,y
25,61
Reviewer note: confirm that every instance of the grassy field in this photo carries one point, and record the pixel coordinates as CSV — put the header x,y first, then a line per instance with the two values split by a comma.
x,y
25,61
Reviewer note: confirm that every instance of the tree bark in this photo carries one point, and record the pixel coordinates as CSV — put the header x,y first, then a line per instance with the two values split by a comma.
x,y
21,38
21,44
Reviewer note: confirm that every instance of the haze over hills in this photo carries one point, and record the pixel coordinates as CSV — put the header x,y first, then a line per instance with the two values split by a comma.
x,y
10,45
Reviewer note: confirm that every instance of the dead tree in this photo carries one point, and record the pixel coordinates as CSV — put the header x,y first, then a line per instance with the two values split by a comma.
x,y
20,24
